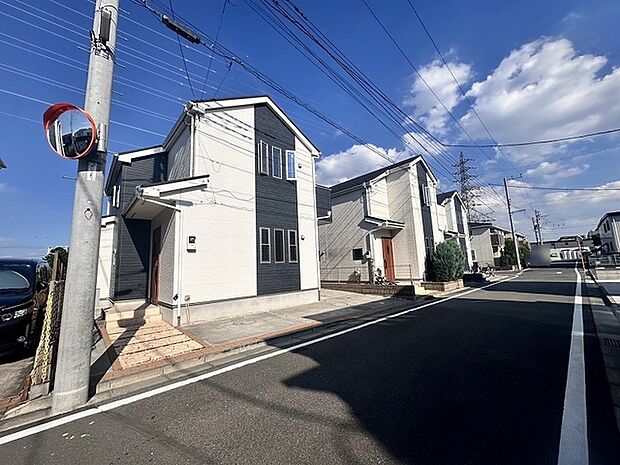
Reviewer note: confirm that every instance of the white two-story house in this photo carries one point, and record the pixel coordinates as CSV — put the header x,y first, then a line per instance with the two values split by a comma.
x,y
385,219
453,222
608,231
219,220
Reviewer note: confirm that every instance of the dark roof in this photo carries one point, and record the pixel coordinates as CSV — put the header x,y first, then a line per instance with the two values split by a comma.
x,y
444,196
230,98
139,149
358,181
605,216
171,181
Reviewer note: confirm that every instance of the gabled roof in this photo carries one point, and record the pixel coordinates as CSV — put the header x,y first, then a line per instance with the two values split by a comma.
x,y
441,198
477,225
360,180
127,157
606,215
220,104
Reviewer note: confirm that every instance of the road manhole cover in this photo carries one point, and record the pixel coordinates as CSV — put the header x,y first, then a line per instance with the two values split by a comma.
x,y
244,322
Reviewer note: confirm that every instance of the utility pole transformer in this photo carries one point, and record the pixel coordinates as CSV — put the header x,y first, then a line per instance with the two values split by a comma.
x,y
512,227
71,381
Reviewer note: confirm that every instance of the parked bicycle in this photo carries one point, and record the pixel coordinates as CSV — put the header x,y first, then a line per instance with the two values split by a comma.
x,y
488,271
381,280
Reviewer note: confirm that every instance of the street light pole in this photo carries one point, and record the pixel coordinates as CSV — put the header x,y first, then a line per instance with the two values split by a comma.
x,y
512,227
71,381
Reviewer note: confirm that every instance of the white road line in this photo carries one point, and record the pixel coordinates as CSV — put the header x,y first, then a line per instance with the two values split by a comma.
x,y
574,435
178,384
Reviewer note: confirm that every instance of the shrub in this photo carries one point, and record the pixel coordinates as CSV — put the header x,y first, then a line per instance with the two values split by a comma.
x,y
509,256
448,263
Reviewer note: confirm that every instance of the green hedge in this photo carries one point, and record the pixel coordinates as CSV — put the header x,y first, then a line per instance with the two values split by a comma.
x,y
448,262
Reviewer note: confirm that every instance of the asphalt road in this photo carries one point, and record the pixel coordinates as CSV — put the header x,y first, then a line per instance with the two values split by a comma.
x,y
478,379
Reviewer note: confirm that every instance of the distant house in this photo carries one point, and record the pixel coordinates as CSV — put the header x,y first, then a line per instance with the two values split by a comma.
x,y
385,219
453,222
608,232
219,220
569,247
488,242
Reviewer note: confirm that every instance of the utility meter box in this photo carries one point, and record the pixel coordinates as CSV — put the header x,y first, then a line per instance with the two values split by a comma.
x,y
191,243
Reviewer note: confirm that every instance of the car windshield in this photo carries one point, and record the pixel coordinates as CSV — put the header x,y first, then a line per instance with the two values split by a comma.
x,y
15,277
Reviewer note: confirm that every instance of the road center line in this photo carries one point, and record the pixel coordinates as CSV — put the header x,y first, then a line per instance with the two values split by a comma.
x,y
63,420
574,435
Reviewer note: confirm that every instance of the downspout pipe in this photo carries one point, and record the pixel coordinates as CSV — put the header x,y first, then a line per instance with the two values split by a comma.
x,y
178,243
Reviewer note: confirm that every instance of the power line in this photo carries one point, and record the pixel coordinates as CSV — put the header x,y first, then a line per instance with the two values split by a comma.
x,y
217,36
458,84
182,53
592,189
415,69
375,96
544,141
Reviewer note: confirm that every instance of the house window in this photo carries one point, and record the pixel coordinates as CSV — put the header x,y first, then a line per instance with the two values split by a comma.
x,y
358,254
116,196
279,245
265,245
426,195
291,171
292,246
276,162
263,157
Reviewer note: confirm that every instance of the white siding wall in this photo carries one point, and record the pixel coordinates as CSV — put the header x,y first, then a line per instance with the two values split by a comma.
x,y
403,194
481,244
179,156
223,216
443,217
306,212
338,238
378,199
167,285
104,268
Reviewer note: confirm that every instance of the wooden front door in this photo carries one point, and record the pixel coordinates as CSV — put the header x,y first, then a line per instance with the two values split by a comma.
x,y
388,258
155,252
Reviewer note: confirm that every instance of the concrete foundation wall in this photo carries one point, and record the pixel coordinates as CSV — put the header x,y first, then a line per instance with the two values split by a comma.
x,y
239,307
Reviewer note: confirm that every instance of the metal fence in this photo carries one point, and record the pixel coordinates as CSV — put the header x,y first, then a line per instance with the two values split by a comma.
x,y
403,274
602,261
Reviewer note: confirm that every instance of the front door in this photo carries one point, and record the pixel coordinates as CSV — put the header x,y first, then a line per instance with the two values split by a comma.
x,y
155,252
388,258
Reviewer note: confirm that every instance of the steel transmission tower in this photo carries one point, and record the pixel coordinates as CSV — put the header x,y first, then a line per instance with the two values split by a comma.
x,y
466,190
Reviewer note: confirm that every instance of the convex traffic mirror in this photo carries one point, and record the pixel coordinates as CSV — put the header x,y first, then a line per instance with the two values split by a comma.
x,y
70,131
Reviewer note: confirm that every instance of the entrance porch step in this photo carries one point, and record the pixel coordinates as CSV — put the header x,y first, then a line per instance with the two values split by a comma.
x,y
123,323
128,314
121,312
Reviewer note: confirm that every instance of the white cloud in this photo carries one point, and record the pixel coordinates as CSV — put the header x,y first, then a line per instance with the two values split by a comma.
x,y
426,108
552,171
357,159
542,90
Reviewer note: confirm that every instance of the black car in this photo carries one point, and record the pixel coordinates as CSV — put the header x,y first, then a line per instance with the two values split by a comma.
x,y
23,296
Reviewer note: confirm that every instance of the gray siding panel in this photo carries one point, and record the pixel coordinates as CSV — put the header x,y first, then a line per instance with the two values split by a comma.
x,y
323,201
276,205
131,260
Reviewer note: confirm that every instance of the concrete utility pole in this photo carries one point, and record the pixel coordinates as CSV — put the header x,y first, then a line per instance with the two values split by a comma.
x,y
512,227
538,228
71,381
535,231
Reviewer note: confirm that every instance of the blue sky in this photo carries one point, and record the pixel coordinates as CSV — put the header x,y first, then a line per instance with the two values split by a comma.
x,y
531,69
